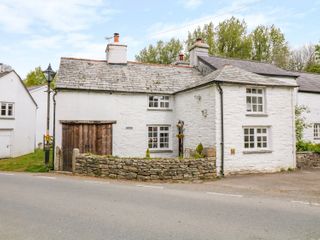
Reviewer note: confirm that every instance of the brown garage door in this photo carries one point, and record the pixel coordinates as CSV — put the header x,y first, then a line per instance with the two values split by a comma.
x,y
88,137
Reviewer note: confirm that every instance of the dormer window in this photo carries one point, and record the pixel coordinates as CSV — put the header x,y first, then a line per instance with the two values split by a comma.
x,y
6,110
255,100
161,102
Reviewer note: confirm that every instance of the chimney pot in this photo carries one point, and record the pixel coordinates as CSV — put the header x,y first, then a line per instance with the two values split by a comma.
x,y
181,57
116,37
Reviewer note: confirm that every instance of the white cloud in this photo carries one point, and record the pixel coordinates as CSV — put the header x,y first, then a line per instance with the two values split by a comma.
x,y
190,4
63,16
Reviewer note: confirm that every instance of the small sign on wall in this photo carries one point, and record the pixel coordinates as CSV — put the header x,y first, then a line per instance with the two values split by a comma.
x,y
232,151
129,128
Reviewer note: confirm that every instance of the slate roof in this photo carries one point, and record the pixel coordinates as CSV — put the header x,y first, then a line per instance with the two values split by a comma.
x,y
36,87
309,82
2,74
132,77
251,66
232,74
84,74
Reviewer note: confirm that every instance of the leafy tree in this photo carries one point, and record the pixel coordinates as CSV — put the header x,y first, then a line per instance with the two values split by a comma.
x,y
35,77
314,66
206,33
261,43
232,39
162,52
317,51
279,47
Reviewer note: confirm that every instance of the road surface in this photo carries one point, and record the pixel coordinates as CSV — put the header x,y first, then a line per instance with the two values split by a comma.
x,y
44,207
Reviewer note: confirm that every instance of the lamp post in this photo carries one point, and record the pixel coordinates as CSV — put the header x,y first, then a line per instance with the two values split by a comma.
x,y
49,74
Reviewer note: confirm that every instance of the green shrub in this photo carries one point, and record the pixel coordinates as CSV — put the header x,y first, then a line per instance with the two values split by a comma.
x,y
198,153
199,148
148,153
303,146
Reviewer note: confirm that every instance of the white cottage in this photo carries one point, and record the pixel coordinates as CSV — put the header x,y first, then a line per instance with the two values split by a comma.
x,y
123,108
17,116
39,94
309,96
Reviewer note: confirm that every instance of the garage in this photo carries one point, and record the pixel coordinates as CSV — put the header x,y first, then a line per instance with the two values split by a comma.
x,y
5,143
88,136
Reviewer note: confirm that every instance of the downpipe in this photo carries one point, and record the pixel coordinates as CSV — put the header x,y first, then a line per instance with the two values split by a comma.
x,y
222,130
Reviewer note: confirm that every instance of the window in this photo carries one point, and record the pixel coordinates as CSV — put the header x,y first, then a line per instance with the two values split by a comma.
x,y
158,137
255,100
256,138
316,131
6,109
159,102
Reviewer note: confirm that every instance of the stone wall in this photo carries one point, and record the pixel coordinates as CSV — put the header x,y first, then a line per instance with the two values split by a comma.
x,y
308,160
145,169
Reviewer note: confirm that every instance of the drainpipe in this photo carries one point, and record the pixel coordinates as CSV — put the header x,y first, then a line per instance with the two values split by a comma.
x,y
222,130
54,128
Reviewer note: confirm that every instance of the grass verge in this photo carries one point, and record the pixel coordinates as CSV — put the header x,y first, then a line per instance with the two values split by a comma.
x,y
33,162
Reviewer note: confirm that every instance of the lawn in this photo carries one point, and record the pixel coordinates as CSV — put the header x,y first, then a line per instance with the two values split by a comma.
x,y
33,162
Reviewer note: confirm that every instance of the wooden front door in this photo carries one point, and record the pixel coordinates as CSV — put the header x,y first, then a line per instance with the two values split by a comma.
x,y
88,138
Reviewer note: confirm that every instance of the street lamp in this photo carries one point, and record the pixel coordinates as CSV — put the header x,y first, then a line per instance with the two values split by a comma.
x,y
49,74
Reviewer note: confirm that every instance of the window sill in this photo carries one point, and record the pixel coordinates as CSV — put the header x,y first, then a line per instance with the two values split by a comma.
x,y
9,118
257,114
256,151
160,109
160,151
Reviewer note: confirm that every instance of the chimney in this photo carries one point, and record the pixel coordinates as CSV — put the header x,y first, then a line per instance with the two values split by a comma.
x,y
199,48
181,57
180,60
5,68
116,53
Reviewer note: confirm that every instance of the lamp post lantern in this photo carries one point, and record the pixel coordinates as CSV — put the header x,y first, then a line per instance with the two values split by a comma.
x,y
49,74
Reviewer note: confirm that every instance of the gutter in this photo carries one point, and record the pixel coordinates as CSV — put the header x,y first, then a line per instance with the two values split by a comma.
x,y
222,130
54,127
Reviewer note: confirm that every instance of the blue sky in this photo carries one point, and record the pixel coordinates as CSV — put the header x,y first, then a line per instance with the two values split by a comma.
x,y
36,32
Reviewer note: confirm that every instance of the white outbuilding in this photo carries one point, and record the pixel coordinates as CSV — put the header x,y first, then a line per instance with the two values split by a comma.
x,y
17,116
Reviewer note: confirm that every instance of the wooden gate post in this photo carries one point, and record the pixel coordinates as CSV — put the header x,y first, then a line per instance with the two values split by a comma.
x,y
75,154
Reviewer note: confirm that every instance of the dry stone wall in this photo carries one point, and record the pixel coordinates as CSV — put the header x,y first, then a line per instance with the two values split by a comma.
x,y
308,160
145,169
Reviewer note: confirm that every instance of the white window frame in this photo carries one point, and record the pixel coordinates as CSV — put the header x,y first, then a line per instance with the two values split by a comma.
x,y
162,102
156,131
6,115
255,94
316,131
256,138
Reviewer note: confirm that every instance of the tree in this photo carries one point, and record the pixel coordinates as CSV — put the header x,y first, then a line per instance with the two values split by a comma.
x,y
302,57
162,52
315,66
232,39
279,47
35,77
317,51
261,43
206,33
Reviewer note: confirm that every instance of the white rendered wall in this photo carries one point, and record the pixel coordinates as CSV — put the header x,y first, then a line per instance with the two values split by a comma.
x,y
280,118
23,124
196,109
130,133
312,101
40,96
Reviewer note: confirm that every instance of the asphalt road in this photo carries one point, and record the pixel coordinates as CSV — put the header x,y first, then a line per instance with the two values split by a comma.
x,y
57,207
